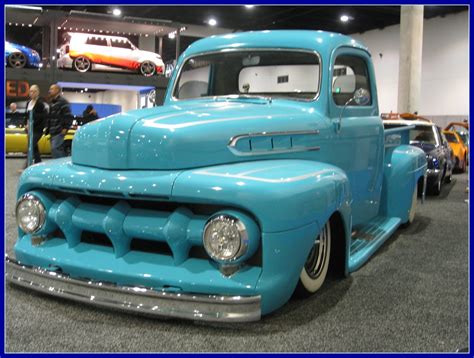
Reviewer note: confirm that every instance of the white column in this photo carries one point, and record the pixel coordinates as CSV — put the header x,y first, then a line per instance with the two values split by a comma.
x,y
411,44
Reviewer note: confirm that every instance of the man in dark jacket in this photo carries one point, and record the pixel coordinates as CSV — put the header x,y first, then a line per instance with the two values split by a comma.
x,y
59,121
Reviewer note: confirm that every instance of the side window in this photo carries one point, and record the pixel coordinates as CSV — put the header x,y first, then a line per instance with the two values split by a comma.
x,y
99,41
350,73
121,43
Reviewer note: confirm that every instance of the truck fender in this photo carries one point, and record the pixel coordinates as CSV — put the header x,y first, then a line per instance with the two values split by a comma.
x,y
291,200
404,165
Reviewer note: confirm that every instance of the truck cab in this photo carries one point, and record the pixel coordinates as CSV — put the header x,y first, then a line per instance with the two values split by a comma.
x,y
267,166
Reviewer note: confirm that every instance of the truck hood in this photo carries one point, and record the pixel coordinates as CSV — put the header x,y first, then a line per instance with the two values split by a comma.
x,y
191,134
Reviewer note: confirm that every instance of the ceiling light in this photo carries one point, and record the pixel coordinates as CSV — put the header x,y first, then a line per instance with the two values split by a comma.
x,y
117,12
86,89
344,18
249,6
171,35
212,22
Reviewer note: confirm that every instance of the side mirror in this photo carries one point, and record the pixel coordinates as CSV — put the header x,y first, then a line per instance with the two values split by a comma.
x,y
361,97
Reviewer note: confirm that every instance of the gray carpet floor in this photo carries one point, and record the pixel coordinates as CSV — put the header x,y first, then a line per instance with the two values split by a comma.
x,y
412,296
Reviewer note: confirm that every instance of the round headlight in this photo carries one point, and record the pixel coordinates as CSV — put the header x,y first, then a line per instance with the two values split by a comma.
x,y
30,213
225,238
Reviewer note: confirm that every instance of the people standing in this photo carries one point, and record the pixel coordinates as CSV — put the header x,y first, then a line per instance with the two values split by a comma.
x,y
59,121
36,106
89,114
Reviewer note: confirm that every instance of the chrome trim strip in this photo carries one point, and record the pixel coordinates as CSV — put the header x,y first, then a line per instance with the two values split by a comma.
x,y
233,142
135,299
175,82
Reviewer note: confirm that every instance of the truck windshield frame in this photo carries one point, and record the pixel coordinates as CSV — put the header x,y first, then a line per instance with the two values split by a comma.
x,y
283,52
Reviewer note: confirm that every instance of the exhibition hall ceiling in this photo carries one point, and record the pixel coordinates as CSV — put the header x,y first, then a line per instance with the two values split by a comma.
x,y
330,18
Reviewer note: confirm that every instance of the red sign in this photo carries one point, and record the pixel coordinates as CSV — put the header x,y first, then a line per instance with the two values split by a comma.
x,y
17,88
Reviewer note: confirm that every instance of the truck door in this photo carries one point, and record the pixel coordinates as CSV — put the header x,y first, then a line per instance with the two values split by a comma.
x,y
358,133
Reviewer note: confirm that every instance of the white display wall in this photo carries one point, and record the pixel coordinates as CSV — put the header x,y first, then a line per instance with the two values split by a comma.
x,y
445,68
127,99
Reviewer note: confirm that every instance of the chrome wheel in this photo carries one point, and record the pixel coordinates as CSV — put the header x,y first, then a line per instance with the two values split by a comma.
x,y
147,68
17,60
315,269
82,64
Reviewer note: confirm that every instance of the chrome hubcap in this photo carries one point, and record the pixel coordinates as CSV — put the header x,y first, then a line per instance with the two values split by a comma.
x,y
317,257
17,59
147,68
82,64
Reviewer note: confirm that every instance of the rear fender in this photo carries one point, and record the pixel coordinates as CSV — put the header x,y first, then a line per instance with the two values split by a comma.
x,y
404,166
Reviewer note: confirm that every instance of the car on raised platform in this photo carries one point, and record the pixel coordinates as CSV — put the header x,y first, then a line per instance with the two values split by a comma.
x,y
19,56
85,52
267,166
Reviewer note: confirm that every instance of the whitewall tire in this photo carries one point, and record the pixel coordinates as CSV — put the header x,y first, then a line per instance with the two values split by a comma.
x,y
315,269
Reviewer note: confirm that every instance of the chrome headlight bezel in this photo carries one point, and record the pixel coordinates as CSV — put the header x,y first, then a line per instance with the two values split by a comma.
x,y
242,232
41,215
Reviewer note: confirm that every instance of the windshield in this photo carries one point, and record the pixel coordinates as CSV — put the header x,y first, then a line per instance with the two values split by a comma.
x,y
267,73
423,134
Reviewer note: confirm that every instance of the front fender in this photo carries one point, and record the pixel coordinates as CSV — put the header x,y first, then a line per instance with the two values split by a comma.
x,y
282,194
290,199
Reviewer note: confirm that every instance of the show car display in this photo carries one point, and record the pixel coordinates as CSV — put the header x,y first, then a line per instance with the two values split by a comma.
x,y
19,56
267,166
429,137
85,52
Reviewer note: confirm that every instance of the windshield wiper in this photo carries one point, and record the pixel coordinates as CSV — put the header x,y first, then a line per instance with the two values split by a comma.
x,y
244,96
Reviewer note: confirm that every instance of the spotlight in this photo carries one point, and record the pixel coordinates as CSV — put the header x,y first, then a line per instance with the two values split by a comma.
x,y
117,12
212,22
344,18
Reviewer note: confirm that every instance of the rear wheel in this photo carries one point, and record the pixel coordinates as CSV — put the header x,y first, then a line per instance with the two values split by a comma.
x,y
17,60
82,64
315,269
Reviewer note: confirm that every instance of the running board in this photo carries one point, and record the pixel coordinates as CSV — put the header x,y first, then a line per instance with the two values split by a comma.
x,y
369,238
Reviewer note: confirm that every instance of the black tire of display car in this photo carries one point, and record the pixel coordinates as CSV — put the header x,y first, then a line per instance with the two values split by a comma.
x,y
147,68
437,187
82,64
315,269
17,60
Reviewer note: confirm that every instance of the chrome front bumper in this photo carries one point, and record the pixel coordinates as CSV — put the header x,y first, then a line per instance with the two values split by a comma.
x,y
135,299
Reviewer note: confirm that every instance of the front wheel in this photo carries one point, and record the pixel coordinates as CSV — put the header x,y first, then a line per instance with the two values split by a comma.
x,y
82,64
315,269
147,68
436,190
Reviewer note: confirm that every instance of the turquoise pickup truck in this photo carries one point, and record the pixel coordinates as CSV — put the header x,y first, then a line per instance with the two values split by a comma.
x,y
266,168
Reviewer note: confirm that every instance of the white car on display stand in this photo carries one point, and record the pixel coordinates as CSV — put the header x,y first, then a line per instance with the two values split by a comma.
x,y
85,52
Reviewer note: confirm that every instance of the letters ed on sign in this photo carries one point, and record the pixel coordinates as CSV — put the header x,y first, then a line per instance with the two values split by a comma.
x,y
17,88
